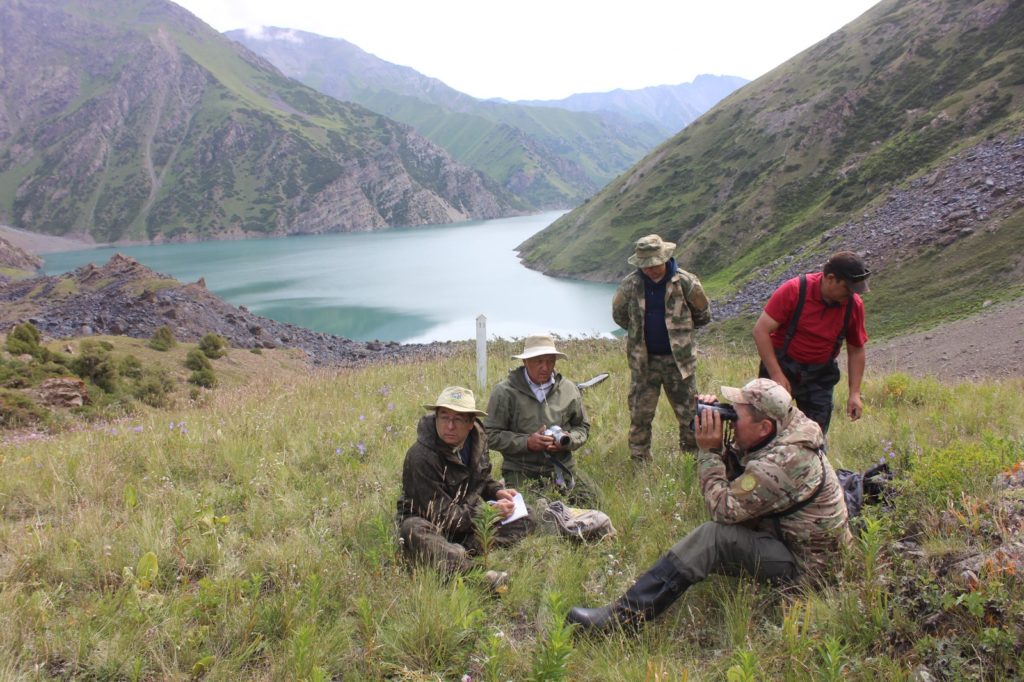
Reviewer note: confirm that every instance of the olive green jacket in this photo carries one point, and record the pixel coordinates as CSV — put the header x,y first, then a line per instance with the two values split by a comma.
x,y
513,413
686,308
437,486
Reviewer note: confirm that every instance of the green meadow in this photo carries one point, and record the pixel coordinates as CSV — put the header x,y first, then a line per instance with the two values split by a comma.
x,y
247,532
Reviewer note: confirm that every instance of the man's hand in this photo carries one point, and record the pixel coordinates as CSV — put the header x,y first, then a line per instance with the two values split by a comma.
x,y
538,442
505,507
854,407
781,379
708,427
506,494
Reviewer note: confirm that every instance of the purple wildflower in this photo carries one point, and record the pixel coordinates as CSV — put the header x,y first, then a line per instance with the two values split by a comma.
x,y
361,448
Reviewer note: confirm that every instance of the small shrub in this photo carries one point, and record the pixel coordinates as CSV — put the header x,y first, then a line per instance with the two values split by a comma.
x,y
163,339
129,366
95,364
17,410
153,388
947,473
197,361
24,339
213,345
203,377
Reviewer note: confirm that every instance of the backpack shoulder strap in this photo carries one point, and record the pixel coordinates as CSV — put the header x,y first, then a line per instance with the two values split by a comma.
x,y
795,317
842,331
776,523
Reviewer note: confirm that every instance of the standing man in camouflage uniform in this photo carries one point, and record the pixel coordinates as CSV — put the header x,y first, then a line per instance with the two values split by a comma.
x,y
659,305
777,510
446,478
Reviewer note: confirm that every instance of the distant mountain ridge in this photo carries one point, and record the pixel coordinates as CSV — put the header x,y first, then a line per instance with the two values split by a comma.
x,y
133,120
670,107
871,140
549,156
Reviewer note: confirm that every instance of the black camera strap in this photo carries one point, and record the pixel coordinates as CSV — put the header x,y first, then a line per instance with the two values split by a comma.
x,y
775,518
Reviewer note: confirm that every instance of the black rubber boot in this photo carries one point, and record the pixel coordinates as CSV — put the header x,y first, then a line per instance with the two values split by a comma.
x,y
650,595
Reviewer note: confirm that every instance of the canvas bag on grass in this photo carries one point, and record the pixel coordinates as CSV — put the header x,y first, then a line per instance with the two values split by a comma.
x,y
583,525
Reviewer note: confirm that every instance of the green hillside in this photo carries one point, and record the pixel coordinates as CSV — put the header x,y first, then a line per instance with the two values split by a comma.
x,y
134,120
549,157
813,157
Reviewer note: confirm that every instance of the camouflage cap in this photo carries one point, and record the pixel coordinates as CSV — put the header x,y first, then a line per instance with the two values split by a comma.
x,y
764,395
651,251
457,399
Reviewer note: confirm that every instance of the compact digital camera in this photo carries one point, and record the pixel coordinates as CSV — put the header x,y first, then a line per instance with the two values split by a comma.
x,y
560,436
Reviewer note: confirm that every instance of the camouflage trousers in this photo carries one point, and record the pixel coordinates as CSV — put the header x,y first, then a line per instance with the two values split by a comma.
x,y
644,391
582,494
424,544
732,550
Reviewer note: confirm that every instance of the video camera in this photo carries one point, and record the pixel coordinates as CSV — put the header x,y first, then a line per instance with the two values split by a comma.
x,y
727,412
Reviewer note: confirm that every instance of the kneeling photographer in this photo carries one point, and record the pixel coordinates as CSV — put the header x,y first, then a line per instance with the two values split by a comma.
x,y
777,512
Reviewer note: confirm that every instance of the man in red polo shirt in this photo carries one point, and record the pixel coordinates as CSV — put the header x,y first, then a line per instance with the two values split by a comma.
x,y
802,329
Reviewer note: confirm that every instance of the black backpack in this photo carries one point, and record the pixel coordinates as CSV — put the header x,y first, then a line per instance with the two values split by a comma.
x,y
868,487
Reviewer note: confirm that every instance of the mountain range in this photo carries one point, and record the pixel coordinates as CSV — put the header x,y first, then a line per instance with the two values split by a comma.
x,y
134,121
898,136
549,154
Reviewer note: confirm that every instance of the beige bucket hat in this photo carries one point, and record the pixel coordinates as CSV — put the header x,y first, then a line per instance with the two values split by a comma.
x,y
651,251
539,344
763,395
457,399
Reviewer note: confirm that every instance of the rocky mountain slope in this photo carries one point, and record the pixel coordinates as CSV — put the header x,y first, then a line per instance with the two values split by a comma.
x,y
669,107
133,120
551,155
898,136
16,263
125,298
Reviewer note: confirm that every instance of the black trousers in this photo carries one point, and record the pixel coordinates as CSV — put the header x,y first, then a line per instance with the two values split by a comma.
x,y
812,386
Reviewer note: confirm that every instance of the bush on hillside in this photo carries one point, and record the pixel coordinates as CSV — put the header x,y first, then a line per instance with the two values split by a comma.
x,y
153,388
213,345
197,361
203,377
24,339
163,339
18,410
94,363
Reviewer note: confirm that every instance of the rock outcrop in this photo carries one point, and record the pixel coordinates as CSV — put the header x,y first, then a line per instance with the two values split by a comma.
x,y
125,298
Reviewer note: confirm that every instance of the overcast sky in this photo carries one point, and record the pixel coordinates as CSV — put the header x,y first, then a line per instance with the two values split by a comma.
x,y
548,49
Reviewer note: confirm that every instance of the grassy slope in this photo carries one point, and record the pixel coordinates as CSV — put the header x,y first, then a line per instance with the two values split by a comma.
x,y
269,509
770,169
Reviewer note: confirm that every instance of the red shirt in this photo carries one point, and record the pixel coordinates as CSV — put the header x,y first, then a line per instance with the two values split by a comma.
x,y
819,323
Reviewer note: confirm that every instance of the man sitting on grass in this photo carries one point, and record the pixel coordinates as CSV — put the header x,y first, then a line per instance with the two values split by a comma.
x,y
777,510
446,478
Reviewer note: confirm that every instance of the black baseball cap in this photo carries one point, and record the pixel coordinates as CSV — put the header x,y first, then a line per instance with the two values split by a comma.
x,y
848,266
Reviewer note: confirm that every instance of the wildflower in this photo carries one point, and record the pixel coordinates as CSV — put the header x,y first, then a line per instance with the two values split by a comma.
x,y
137,429
337,451
362,417
361,448
391,407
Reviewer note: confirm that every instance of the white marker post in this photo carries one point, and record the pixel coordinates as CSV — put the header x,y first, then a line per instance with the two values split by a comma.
x,y
481,354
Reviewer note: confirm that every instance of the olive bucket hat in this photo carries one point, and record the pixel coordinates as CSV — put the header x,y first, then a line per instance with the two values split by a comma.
x,y
651,251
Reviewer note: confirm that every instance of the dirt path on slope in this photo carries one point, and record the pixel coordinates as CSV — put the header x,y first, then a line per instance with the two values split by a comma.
x,y
987,345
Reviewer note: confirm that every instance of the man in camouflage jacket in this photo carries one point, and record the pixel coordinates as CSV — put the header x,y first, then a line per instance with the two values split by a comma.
x,y
779,514
659,305
446,478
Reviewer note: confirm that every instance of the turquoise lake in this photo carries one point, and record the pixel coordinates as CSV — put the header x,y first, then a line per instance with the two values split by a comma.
x,y
411,285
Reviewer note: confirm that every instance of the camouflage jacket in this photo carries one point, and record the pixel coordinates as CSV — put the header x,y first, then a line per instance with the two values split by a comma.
x,y
686,308
513,413
779,475
437,486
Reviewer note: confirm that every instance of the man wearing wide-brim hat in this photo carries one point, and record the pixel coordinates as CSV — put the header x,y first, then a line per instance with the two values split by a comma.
x,y
446,478
523,410
659,305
